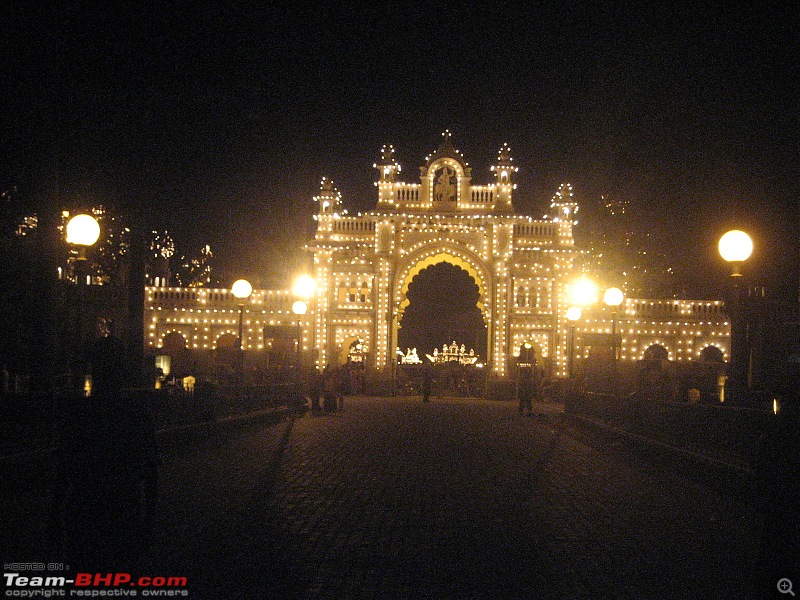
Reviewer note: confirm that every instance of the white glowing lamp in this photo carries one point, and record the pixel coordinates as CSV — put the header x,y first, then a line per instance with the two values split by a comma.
x,y
613,297
83,230
299,307
735,247
242,289
574,313
583,292
304,286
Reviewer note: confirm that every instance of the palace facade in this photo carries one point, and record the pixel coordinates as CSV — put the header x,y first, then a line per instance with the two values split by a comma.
x,y
363,265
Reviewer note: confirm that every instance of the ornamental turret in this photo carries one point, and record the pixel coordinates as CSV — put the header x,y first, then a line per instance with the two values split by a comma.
x,y
388,168
329,200
504,170
564,211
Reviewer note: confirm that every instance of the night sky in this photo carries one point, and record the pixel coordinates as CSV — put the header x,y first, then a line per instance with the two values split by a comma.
x,y
219,120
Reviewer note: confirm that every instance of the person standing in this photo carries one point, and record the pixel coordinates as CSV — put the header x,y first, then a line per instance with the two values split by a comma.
x,y
427,383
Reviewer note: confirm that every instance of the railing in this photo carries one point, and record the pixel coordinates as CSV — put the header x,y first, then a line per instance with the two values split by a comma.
x,y
34,422
353,226
407,193
729,435
538,230
482,194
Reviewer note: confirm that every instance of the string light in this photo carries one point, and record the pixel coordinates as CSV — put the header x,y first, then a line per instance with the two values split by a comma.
x,y
363,266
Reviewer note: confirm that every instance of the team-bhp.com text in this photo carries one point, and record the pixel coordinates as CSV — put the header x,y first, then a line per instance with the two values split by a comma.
x,y
93,585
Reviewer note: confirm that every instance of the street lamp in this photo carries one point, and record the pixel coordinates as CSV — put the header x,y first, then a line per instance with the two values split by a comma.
x,y
583,292
241,289
613,297
736,247
83,231
573,314
304,287
299,308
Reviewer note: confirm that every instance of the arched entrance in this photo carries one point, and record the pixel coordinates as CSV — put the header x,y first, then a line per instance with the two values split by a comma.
x,y
442,307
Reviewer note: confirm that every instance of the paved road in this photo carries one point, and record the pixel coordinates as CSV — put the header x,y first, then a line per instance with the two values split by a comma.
x,y
458,498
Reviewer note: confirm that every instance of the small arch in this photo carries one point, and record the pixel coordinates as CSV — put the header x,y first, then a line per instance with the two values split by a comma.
x,y
227,340
712,353
174,340
656,352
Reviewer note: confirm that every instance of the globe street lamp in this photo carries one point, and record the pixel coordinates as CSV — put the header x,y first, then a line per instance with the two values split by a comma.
x,y
736,247
613,297
573,314
241,289
83,231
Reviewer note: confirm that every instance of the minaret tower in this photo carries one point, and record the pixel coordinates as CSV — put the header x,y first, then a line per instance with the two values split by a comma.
x,y
503,170
564,211
329,199
388,169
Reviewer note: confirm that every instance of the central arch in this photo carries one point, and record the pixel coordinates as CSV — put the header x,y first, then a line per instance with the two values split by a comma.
x,y
456,257
457,260
443,310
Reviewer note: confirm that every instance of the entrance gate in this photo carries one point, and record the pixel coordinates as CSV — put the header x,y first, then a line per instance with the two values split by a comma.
x,y
365,264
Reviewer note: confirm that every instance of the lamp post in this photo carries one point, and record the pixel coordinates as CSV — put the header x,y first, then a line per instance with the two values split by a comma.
x,y
299,308
735,247
573,314
241,289
83,231
612,298
304,288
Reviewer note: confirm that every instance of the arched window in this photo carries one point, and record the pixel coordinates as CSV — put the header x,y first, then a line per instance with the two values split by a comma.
x,y
521,297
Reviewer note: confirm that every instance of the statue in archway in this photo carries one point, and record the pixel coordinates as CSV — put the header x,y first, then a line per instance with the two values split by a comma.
x,y
444,186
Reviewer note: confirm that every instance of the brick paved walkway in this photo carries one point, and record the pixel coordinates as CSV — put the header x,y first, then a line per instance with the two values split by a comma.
x,y
393,498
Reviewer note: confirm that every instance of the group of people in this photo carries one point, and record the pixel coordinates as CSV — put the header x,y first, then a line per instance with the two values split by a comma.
x,y
330,386
105,470
528,388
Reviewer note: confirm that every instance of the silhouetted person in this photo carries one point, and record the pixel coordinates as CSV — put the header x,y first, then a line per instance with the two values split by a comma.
x,y
106,470
527,389
778,495
332,387
316,389
427,383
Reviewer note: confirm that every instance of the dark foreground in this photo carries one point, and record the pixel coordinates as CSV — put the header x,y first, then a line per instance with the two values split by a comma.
x,y
393,498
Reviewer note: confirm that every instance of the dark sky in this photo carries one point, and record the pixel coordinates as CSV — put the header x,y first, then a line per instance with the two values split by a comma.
x,y
219,120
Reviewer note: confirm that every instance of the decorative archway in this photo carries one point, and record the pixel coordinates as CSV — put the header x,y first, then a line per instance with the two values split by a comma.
x,y
430,256
471,264
655,352
174,341
712,353
442,309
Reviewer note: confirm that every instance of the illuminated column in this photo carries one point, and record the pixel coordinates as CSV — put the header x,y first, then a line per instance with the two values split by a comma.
x,y
323,274
501,251
383,311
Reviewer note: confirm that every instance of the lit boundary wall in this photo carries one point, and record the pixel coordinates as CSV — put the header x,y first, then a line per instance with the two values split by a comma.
x,y
475,229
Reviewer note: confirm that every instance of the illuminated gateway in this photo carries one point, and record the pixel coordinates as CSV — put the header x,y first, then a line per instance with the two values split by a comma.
x,y
363,266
